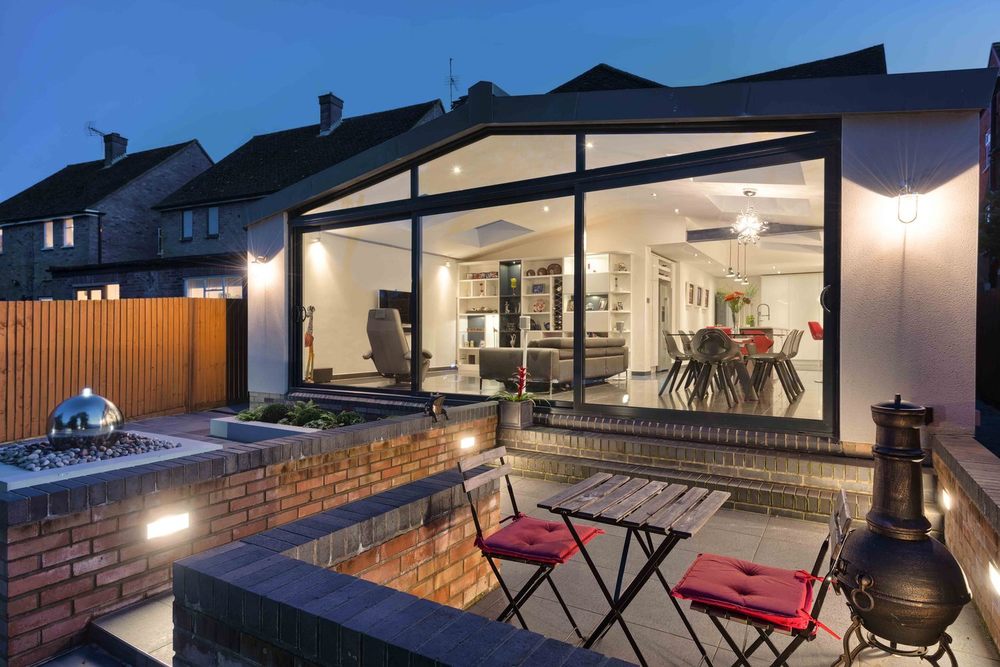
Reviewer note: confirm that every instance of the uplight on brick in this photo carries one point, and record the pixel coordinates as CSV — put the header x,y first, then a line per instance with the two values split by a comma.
x,y
167,525
468,442
995,578
946,500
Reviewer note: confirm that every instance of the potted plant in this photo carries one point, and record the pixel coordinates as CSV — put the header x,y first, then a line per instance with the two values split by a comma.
x,y
516,407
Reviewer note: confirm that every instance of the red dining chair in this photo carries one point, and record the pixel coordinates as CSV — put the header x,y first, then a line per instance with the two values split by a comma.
x,y
542,544
816,329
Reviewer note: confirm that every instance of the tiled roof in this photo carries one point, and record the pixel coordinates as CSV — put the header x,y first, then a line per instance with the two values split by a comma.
x,y
77,187
856,63
269,162
605,77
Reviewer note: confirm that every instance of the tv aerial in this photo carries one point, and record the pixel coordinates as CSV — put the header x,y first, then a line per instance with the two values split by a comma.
x,y
93,131
452,82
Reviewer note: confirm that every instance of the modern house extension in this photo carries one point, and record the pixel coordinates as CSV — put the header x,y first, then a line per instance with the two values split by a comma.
x,y
619,221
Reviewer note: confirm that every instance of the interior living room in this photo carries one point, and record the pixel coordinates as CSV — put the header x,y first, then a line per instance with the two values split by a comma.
x,y
702,293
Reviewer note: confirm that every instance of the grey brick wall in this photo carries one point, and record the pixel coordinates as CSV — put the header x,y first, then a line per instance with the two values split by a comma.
x,y
130,224
24,265
232,235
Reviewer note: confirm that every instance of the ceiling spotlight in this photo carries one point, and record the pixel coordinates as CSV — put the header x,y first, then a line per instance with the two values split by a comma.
x,y
589,144
653,195
545,208
677,211
748,225
447,263
457,169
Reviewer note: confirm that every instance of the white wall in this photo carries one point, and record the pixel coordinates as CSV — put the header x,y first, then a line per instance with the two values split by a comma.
x,y
793,300
267,309
692,318
341,278
908,299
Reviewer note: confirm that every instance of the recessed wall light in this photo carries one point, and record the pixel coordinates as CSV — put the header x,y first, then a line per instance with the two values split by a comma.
x,y
167,525
946,500
995,578
457,169
467,442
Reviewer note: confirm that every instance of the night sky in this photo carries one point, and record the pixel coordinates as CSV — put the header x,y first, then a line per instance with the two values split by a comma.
x,y
164,72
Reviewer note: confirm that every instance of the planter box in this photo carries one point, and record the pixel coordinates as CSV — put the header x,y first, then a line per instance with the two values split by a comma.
x,y
516,414
231,428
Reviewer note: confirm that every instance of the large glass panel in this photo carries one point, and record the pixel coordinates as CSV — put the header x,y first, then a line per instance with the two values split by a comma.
x,y
605,150
499,159
664,263
495,284
391,189
356,287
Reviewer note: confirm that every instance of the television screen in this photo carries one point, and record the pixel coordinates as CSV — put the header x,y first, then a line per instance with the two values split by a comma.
x,y
398,300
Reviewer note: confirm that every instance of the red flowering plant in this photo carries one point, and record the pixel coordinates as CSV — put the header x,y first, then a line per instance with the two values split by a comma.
x,y
736,300
520,378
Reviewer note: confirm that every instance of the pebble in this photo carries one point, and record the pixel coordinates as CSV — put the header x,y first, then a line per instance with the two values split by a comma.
x,y
39,455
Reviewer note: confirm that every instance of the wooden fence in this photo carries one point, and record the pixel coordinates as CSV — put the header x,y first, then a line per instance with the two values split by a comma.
x,y
148,356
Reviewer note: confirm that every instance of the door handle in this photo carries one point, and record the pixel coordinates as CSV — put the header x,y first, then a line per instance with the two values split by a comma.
x,y
822,298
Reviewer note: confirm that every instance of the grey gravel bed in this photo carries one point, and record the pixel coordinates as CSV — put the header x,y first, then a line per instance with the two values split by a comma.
x,y
37,455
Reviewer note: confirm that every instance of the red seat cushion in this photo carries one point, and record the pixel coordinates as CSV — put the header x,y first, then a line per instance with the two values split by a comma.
x,y
770,594
536,540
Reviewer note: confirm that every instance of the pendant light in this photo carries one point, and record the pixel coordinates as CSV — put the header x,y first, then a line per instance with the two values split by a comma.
x,y
746,267
729,271
748,225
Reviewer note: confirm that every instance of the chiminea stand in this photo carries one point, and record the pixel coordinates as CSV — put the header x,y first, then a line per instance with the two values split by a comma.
x,y
868,640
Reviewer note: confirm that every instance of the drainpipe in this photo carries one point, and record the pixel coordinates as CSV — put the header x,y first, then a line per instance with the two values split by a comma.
x,y
100,237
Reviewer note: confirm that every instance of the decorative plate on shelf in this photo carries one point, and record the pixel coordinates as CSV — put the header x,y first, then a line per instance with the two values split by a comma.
x,y
554,269
529,273
543,272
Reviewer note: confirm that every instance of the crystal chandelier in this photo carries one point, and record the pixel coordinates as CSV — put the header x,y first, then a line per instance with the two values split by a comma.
x,y
748,225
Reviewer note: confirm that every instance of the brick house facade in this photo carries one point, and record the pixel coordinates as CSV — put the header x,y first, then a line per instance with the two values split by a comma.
x,y
108,203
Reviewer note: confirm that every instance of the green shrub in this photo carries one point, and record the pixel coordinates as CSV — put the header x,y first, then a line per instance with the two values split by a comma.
x,y
250,414
348,417
273,413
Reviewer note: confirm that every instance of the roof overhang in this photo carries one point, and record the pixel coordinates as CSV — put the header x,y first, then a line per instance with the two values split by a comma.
x,y
219,259
55,216
489,106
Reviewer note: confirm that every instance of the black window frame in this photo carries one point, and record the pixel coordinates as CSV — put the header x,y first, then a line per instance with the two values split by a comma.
x,y
821,141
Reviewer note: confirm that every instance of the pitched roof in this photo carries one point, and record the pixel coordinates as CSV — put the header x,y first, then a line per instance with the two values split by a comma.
x,y
269,162
605,77
856,63
77,187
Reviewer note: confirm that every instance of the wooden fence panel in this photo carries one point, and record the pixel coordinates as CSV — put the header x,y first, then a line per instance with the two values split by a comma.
x,y
148,356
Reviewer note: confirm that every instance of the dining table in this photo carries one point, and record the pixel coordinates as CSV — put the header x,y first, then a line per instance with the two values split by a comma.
x,y
649,510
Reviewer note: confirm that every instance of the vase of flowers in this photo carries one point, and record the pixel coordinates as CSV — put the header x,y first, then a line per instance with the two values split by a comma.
x,y
736,300
516,407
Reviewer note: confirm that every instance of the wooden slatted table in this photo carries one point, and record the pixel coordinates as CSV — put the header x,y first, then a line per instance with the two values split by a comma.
x,y
673,512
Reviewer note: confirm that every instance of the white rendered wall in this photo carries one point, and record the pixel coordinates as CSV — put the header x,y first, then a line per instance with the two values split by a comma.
x,y
908,298
267,309
793,300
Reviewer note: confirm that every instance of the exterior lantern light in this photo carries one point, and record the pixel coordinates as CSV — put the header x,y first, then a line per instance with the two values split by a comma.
x,y
906,205
260,259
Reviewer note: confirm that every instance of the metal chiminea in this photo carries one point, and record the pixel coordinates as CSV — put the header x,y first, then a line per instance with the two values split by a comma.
x,y
903,586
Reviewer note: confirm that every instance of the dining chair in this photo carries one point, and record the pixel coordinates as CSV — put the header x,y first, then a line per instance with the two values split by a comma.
x,y
673,378
536,542
789,366
766,363
715,352
768,599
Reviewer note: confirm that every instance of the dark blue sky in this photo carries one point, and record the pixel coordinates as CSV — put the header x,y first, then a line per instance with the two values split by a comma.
x,y
163,72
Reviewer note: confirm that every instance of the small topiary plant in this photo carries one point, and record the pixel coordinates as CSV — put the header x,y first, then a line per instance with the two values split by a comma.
x,y
273,413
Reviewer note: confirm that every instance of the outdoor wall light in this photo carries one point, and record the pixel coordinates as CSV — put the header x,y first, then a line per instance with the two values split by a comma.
x,y
467,442
906,205
167,525
260,259
995,578
946,501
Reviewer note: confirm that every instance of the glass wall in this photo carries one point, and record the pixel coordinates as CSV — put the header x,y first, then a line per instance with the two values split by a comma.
x,y
606,150
664,262
356,306
391,189
495,288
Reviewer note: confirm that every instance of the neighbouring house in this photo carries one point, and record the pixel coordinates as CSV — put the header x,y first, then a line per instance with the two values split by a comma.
x,y
989,180
619,216
204,222
90,214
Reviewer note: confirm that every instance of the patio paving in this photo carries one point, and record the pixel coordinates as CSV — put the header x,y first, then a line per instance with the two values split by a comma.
x,y
775,541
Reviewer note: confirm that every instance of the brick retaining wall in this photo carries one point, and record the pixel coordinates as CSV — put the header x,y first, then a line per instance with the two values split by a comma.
x,y
970,474
266,601
78,549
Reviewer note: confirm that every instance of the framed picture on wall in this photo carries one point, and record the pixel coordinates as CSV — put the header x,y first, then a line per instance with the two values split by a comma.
x,y
708,298
690,293
698,297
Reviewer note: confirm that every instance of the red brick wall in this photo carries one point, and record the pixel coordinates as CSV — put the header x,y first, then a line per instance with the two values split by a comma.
x,y
439,560
64,571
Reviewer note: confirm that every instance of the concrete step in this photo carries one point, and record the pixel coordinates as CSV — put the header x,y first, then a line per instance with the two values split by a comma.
x,y
141,635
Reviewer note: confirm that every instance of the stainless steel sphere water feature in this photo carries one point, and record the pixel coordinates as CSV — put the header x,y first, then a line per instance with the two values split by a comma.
x,y
85,420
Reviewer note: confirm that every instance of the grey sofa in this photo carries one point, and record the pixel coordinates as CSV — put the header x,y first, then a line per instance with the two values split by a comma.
x,y
550,360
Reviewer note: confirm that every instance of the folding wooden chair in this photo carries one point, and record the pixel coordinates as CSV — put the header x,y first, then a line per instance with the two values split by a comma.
x,y
543,544
768,599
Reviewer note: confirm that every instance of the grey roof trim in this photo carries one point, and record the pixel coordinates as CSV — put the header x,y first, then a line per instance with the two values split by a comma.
x,y
51,218
206,203
798,98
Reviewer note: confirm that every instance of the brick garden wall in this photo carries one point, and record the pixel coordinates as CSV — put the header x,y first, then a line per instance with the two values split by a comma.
x,y
970,474
78,549
438,560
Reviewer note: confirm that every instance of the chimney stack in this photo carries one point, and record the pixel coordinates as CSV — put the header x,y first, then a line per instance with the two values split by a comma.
x,y
331,109
114,148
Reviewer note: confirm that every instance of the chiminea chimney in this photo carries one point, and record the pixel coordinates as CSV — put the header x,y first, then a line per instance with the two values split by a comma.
x,y
331,108
114,148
